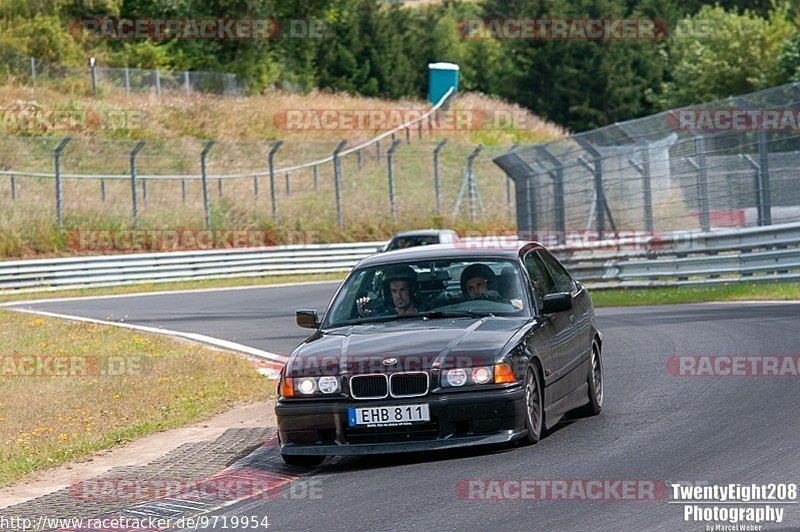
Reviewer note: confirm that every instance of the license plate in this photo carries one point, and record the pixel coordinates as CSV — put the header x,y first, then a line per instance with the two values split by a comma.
x,y
388,416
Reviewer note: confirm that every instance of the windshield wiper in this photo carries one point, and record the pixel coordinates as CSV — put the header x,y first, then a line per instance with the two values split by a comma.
x,y
454,314
377,319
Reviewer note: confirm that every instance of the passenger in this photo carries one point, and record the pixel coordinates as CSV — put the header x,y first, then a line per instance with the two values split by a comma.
x,y
478,281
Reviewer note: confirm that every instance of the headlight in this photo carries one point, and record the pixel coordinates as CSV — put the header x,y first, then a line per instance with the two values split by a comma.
x,y
481,375
456,377
306,386
497,374
465,376
328,384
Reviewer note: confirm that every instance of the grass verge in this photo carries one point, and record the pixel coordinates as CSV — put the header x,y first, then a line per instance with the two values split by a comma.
x,y
676,295
110,386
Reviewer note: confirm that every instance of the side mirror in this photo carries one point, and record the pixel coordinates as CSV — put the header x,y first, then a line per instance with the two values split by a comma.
x,y
307,319
558,302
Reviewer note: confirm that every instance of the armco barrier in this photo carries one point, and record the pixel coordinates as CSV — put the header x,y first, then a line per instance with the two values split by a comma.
x,y
739,255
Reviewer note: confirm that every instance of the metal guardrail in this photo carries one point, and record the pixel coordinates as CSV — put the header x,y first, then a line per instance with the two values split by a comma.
x,y
140,268
740,255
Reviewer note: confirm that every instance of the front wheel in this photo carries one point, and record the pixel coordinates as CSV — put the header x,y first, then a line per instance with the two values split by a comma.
x,y
534,403
302,460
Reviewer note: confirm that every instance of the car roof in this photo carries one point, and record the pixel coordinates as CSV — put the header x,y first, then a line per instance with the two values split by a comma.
x,y
466,250
423,232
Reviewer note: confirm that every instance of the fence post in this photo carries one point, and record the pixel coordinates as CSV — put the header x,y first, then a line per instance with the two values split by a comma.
x,y
763,200
288,185
337,171
93,68
408,135
272,152
205,182
255,188
219,187
103,189
135,151
13,188
508,184
702,182
601,205
473,185
644,171
186,84
389,157
469,184
183,190
158,82
557,175
377,149
316,177
127,83
437,191
763,173
358,159
59,189
419,130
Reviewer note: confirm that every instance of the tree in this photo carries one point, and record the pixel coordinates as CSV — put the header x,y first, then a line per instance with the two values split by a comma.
x,y
716,53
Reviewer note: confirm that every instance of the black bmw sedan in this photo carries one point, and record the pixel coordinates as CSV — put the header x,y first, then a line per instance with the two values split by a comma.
x,y
438,347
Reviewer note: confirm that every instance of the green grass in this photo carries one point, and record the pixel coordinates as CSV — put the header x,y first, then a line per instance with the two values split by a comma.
x,y
50,418
676,295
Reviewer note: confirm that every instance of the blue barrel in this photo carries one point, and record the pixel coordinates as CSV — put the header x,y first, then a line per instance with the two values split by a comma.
x,y
441,77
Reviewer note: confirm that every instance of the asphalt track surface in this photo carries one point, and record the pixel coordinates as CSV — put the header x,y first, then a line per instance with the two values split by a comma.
x,y
655,426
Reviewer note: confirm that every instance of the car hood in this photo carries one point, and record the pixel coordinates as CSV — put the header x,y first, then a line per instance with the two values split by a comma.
x,y
404,346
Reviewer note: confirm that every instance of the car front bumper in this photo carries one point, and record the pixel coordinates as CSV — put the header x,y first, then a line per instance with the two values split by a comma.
x,y
458,419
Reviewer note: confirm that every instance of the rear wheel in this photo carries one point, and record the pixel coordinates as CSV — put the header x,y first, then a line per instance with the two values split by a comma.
x,y
534,403
595,381
302,460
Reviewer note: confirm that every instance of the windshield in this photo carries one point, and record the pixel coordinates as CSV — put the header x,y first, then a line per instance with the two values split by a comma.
x,y
430,288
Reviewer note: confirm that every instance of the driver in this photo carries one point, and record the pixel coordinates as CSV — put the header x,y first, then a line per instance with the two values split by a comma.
x,y
399,287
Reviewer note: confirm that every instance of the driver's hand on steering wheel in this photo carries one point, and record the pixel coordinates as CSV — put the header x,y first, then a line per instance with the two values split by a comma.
x,y
361,305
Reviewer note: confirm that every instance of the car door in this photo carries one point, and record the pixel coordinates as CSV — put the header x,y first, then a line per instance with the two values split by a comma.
x,y
580,319
562,345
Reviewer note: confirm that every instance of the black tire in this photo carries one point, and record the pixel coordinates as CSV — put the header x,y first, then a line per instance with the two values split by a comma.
x,y
534,407
302,460
596,383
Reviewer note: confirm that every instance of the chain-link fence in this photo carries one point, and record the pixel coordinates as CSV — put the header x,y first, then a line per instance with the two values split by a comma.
x,y
729,163
406,177
29,71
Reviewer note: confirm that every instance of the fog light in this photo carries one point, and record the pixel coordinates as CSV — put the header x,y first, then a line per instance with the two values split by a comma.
x,y
481,375
328,384
307,386
456,377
